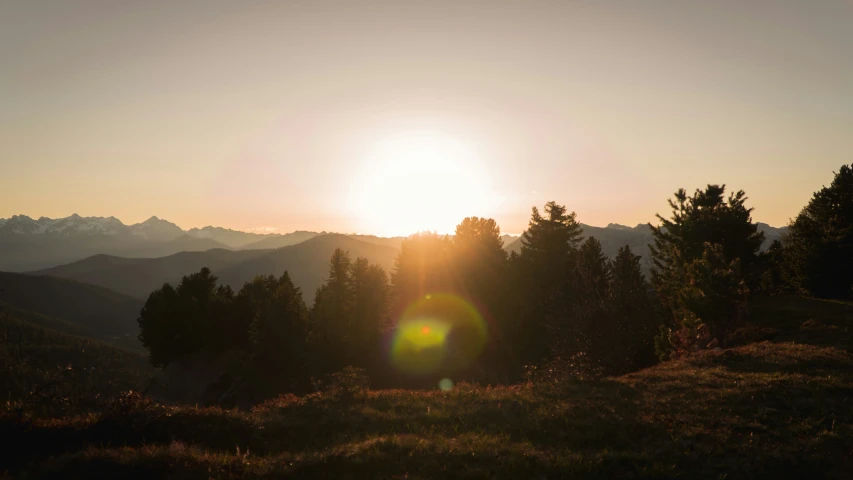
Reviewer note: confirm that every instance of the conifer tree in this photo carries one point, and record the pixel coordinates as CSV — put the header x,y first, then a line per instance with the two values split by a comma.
x,y
279,329
175,322
635,318
549,241
543,276
820,240
592,273
331,315
482,269
702,256
370,315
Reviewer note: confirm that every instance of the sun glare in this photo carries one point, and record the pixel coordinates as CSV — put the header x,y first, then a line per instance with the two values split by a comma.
x,y
418,181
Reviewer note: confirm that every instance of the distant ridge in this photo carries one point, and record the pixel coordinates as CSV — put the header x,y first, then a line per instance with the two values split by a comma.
x,y
93,310
27,244
307,262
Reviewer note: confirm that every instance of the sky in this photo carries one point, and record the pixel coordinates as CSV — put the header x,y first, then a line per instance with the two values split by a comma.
x,y
388,117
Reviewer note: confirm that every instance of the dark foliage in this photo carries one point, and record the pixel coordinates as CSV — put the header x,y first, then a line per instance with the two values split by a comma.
x,y
704,257
820,240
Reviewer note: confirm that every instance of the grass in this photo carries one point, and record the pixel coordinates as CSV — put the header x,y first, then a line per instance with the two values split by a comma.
x,y
47,372
778,405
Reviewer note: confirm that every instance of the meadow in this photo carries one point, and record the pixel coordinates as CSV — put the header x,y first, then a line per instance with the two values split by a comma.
x,y
775,405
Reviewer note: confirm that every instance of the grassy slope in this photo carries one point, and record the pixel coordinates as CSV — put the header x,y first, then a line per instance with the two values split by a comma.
x,y
778,408
97,309
51,372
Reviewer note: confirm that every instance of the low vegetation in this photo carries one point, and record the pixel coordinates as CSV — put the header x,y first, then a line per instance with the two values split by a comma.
x,y
777,406
44,372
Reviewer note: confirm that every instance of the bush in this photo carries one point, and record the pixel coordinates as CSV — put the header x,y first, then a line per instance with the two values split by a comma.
x,y
348,384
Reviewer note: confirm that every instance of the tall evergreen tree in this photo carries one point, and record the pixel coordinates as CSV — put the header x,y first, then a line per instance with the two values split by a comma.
x,y
705,232
820,240
279,329
591,273
331,315
370,315
542,276
549,241
160,329
576,316
175,322
634,314
482,269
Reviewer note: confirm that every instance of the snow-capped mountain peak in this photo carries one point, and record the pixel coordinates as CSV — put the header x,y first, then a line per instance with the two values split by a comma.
x,y
72,225
157,229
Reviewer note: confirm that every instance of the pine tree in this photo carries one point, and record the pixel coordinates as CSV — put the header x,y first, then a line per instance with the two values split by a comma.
x,y
481,266
370,315
279,329
175,322
592,274
542,276
820,240
705,232
158,327
331,318
634,313
549,241
709,305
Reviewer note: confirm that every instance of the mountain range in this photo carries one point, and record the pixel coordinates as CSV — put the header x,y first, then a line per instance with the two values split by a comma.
x,y
307,262
27,244
90,275
30,244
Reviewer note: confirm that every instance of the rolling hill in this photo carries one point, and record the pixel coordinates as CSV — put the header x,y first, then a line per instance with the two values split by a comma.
x,y
279,241
231,238
307,263
71,306
137,277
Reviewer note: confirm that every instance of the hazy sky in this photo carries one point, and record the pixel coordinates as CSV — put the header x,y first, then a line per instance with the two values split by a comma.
x,y
279,114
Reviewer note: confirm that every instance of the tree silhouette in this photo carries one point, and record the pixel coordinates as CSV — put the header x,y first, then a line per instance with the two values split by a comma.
x,y
707,242
549,241
175,322
820,240
331,319
370,315
635,318
279,328
542,275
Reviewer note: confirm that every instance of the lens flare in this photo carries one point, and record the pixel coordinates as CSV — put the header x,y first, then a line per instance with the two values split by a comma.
x,y
438,333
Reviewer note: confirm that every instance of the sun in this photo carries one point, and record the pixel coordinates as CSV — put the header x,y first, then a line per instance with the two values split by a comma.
x,y
418,181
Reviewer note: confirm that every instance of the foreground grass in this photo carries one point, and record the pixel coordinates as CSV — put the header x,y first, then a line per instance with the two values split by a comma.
x,y
778,408
48,372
